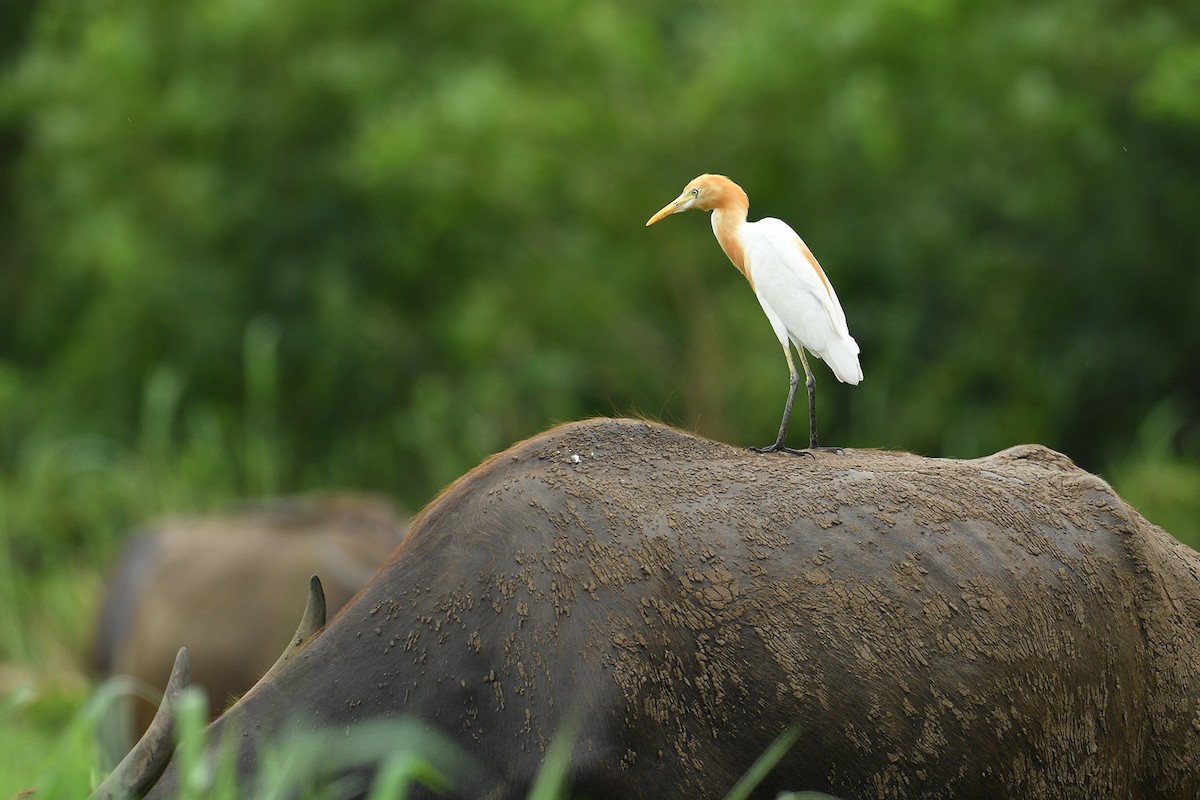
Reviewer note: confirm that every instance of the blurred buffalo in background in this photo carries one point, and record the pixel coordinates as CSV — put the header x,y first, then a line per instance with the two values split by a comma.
x,y
227,588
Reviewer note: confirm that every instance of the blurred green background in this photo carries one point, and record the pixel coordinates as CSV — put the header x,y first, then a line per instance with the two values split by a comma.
x,y
261,246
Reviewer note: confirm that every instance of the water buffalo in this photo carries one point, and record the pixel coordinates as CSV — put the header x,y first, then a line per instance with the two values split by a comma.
x,y
998,627
228,586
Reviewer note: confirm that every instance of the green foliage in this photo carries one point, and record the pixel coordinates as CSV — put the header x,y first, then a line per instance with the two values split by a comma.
x,y
408,751
409,754
428,222
1162,486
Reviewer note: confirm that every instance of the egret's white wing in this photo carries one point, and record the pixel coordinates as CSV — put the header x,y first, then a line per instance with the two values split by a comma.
x,y
793,289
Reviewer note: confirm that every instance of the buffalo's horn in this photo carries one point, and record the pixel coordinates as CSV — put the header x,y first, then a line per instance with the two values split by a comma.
x,y
138,771
312,621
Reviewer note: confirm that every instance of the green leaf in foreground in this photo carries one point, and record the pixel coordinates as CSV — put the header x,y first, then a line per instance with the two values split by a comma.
x,y
763,766
552,777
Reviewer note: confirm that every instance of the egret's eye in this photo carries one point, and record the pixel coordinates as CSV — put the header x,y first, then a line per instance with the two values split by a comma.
x,y
695,192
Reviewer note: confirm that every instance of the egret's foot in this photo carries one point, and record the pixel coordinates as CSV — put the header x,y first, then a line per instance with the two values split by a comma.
x,y
833,449
779,447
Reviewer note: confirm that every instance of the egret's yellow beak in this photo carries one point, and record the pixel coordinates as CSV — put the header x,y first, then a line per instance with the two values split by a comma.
x,y
681,203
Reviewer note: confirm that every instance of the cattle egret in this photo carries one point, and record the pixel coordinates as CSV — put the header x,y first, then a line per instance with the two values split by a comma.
x,y
790,285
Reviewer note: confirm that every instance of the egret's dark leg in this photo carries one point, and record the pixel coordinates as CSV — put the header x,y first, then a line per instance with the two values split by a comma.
x,y
794,381
810,382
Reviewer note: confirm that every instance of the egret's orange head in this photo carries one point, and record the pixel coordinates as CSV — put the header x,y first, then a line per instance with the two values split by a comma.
x,y
705,193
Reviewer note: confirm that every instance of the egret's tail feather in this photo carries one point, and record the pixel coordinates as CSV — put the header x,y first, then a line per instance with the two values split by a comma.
x,y
842,357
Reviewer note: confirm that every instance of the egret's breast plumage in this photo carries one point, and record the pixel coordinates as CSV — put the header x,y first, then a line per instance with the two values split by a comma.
x,y
729,229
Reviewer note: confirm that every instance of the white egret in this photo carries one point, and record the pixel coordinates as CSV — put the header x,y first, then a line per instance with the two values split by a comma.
x,y
791,287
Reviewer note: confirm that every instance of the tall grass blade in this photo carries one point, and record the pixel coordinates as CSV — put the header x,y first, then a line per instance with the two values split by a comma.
x,y
763,766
